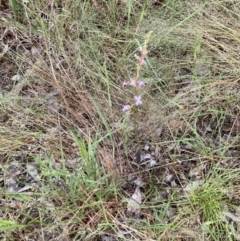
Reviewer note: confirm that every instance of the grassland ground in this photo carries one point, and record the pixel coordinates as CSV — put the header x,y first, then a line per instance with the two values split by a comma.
x,y
67,151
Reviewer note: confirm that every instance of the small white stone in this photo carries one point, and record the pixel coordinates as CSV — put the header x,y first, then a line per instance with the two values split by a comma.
x,y
173,183
139,182
194,185
159,132
147,156
16,77
134,203
152,163
169,178
146,147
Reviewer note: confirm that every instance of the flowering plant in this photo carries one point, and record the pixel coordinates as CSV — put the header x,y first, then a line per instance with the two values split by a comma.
x,y
137,85
135,82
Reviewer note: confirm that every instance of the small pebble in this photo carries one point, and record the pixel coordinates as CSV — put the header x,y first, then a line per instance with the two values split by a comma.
x,y
159,132
151,163
146,147
147,156
169,178
157,151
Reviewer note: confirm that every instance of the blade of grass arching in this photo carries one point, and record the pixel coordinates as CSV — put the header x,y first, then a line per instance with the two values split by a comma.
x,y
83,152
17,8
102,118
92,159
6,225
173,102
106,80
185,20
112,8
109,134
129,10
141,16
87,154
18,196
198,139
61,147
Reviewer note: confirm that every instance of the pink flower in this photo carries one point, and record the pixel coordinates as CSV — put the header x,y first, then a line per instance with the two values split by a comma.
x,y
133,82
140,60
124,83
138,100
144,52
126,107
141,83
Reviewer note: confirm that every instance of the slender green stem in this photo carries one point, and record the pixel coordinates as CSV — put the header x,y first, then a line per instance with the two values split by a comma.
x,y
135,116
137,84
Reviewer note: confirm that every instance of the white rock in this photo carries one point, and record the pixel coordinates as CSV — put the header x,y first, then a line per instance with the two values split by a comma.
x,y
151,163
33,172
134,203
16,77
146,147
35,52
139,182
147,156
194,185
159,132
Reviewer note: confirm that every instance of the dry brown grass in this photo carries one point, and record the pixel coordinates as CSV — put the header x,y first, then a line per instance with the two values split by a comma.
x,y
61,72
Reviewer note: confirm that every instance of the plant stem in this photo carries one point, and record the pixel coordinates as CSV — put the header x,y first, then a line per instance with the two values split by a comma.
x,y
135,116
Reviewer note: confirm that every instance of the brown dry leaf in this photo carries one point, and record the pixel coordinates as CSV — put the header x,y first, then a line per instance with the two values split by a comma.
x,y
197,170
107,159
176,125
190,233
